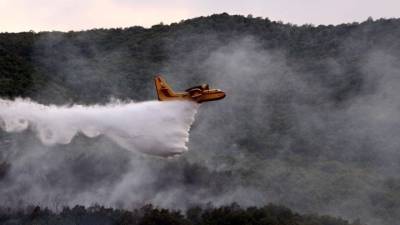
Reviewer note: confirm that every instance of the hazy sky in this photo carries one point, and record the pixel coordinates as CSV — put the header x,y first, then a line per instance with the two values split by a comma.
x,y
64,15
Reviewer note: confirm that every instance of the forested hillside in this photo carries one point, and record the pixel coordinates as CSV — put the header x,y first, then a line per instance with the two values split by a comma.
x,y
148,214
311,118
122,62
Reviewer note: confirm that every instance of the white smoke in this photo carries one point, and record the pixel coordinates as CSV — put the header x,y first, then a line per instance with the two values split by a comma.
x,y
155,128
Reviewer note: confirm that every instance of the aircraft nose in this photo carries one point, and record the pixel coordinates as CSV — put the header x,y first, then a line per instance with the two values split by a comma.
x,y
222,94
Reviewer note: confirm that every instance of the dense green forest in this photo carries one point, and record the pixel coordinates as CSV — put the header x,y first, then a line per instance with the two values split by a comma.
x,y
310,119
33,62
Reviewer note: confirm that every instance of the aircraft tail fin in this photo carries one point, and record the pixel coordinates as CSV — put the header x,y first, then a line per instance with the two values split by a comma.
x,y
164,91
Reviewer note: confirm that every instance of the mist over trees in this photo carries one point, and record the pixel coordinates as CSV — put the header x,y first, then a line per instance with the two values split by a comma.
x,y
310,120
32,61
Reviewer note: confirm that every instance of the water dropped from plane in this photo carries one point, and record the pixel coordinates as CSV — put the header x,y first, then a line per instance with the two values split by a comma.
x,y
152,127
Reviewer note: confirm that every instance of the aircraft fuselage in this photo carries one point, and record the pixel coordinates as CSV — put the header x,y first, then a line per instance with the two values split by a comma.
x,y
198,94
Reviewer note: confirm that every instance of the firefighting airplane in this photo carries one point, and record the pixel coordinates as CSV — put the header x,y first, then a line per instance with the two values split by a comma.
x,y
199,94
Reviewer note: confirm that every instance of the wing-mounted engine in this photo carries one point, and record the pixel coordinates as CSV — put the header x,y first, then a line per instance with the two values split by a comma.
x,y
201,87
195,92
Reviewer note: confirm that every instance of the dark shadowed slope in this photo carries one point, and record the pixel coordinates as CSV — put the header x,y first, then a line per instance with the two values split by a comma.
x,y
148,215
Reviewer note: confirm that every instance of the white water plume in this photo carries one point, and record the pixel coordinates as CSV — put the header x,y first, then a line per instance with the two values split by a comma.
x,y
152,127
